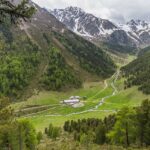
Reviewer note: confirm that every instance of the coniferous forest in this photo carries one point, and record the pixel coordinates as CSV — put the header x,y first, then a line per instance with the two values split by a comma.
x,y
138,73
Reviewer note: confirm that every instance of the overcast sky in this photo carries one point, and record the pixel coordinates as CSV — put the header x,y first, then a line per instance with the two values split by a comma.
x,y
115,10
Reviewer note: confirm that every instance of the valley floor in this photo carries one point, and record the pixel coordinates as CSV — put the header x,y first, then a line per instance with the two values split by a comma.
x,y
102,99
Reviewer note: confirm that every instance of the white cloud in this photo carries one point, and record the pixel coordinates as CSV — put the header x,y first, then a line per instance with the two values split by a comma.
x,y
116,10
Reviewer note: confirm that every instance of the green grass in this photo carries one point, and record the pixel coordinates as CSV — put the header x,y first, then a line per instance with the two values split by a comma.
x,y
130,97
49,98
40,122
94,91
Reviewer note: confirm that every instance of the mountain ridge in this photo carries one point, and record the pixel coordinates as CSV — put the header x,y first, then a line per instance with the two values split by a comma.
x,y
135,33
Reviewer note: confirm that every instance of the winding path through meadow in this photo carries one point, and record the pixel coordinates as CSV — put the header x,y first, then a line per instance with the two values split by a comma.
x,y
95,108
102,101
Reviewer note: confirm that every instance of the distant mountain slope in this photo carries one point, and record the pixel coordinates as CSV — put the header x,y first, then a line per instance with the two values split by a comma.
x,y
133,33
90,57
138,73
43,54
50,28
144,51
83,23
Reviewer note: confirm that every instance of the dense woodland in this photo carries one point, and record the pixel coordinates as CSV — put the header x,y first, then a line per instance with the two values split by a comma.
x,y
118,48
138,73
19,60
144,51
59,75
96,62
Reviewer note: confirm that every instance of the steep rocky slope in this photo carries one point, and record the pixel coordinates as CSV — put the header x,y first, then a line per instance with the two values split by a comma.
x,y
134,33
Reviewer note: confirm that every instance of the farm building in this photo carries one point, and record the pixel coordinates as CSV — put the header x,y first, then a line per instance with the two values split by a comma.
x,y
71,101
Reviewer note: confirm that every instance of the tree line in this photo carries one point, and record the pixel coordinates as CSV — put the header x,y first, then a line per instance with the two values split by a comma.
x,y
137,73
130,126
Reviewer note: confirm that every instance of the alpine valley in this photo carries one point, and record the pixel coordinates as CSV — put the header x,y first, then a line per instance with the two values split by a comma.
x,y
72,81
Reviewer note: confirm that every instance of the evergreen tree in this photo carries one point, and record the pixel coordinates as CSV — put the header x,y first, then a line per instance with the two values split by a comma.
x,y
143,122
100,135
9,9
123,132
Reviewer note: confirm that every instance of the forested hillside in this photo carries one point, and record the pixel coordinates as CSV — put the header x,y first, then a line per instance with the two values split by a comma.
x,y
144,50
19,60
31,60
114,48
58,73
91,58
138,73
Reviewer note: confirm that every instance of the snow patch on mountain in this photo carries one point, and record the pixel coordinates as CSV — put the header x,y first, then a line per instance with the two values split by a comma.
x,y
92,27
83,23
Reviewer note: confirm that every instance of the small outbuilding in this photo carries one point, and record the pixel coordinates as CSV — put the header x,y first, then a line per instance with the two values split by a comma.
x,y
71,101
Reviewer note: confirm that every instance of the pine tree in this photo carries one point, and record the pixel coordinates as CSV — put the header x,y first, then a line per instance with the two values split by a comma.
x,y
124,130
14,12
143,122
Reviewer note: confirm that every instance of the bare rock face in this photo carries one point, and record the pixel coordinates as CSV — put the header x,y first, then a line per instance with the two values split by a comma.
x,y
120,37
84,23
134,33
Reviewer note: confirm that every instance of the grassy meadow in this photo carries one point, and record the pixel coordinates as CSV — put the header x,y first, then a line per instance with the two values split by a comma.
x,y
45,107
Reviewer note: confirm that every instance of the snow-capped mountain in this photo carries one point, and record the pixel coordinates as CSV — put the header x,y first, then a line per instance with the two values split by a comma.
x,y
84,23
138,30
133,33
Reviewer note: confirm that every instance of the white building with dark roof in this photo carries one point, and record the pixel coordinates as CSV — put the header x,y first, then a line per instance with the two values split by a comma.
x,y
71,101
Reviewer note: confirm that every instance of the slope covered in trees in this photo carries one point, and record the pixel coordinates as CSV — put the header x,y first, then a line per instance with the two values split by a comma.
x,y
59,74
114,48
144,51
138,73
22,56
91,58
19,60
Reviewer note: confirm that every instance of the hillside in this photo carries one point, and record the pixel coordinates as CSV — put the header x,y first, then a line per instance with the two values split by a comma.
x,y
34,53
144,51
138,72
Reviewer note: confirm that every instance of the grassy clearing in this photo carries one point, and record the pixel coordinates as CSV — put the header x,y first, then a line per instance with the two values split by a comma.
x,y
50,98
42,121
130,97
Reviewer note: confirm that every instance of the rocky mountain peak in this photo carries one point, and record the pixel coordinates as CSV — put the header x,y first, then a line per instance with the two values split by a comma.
x,y
134,32
82,23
